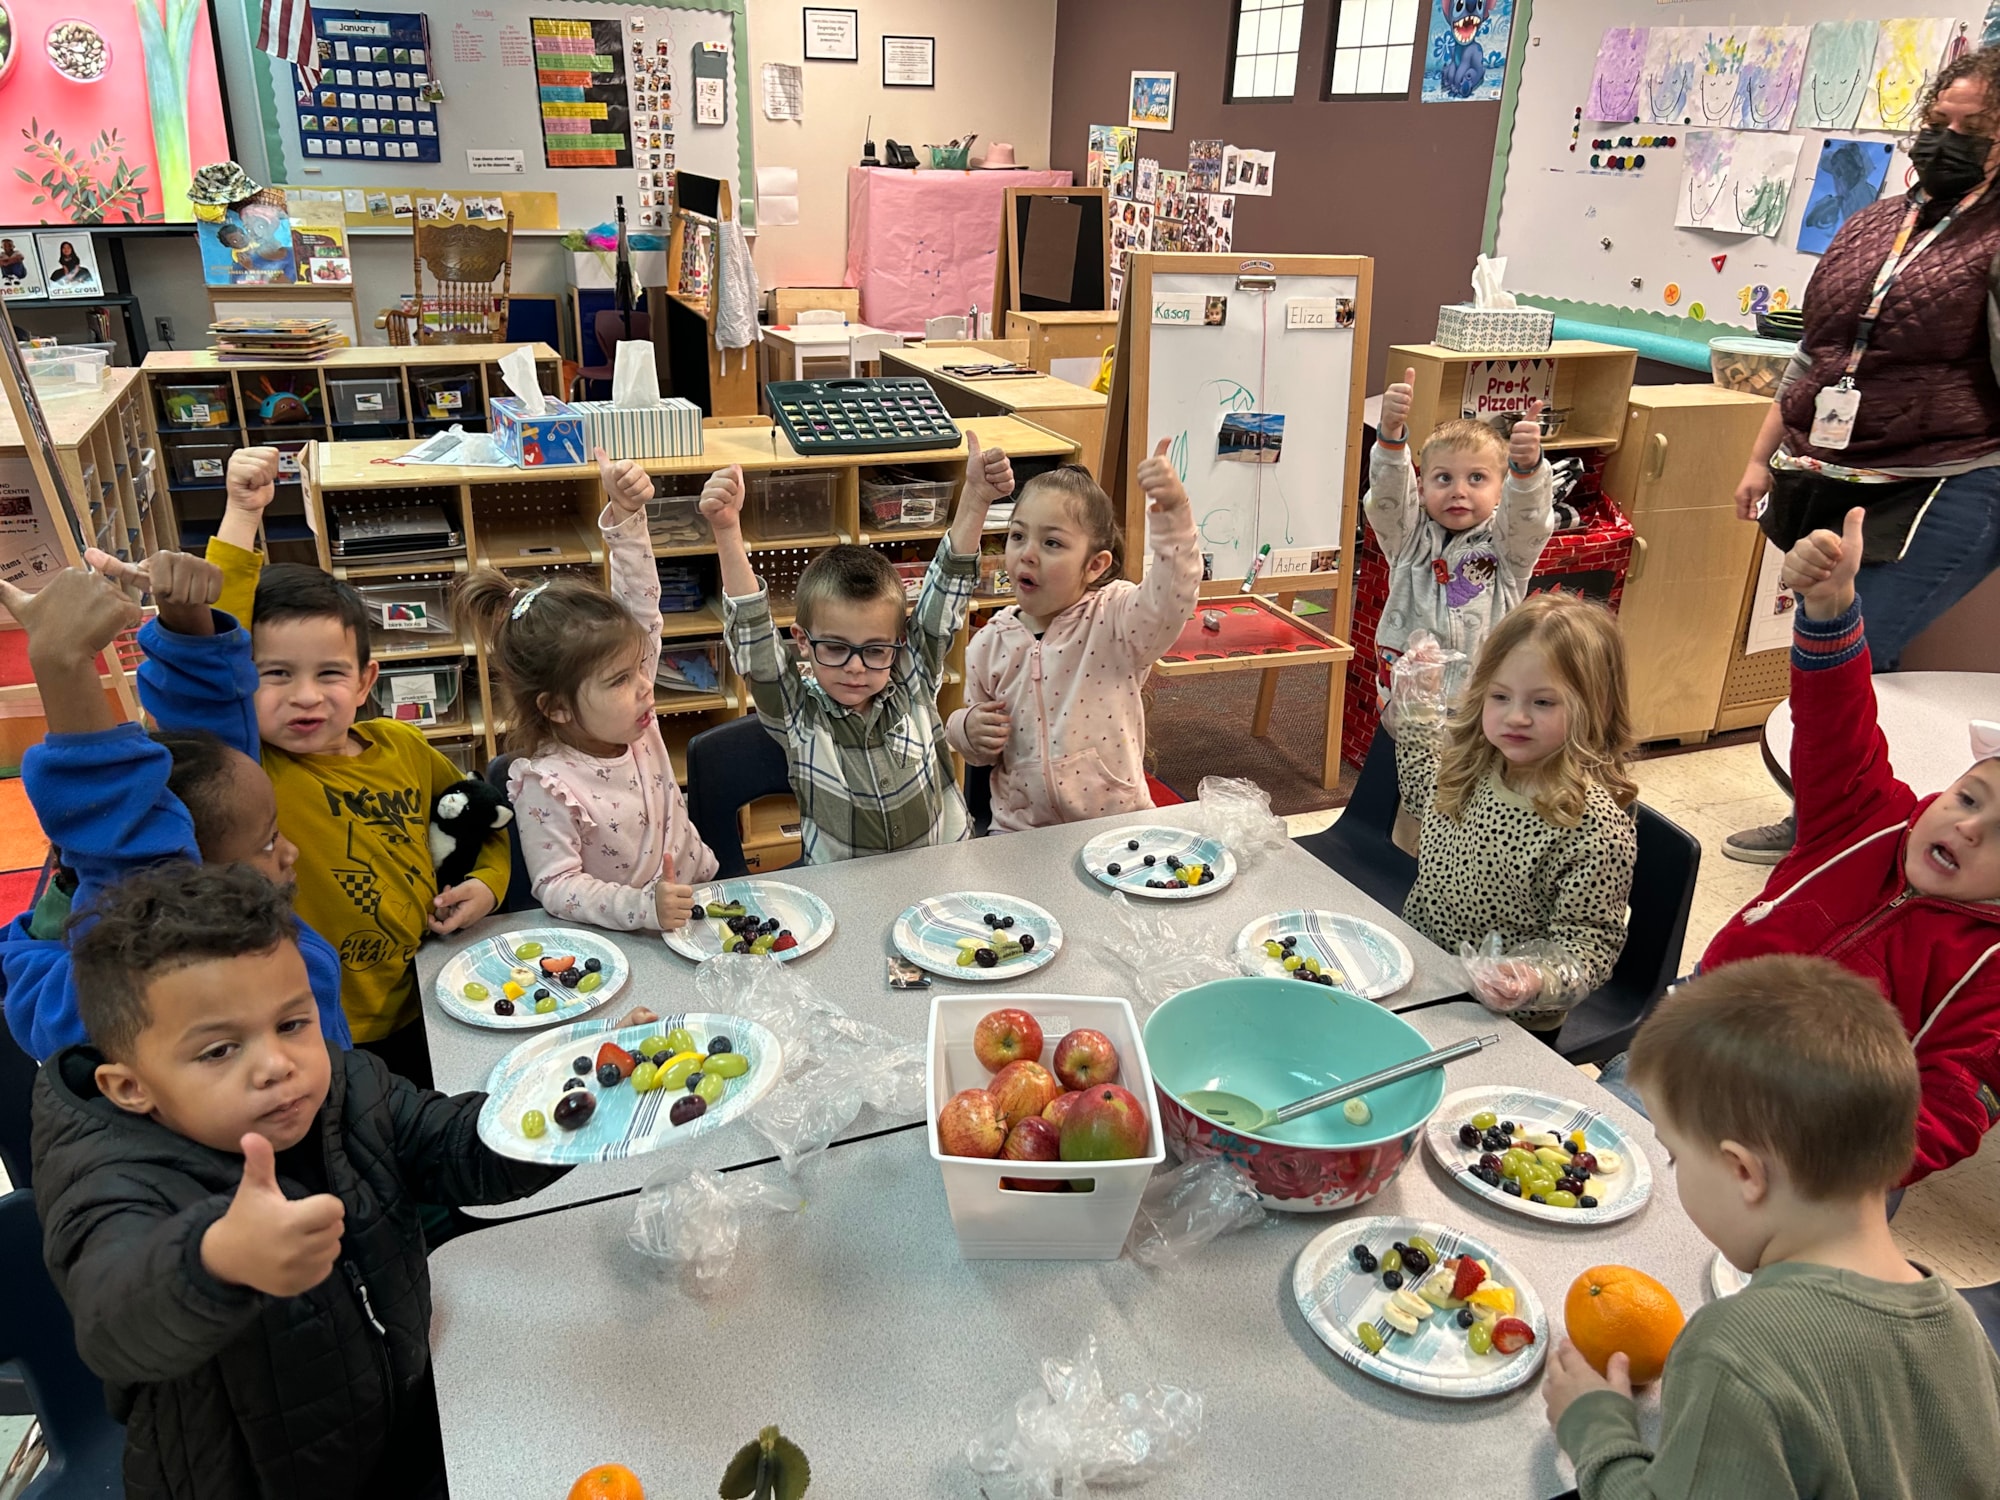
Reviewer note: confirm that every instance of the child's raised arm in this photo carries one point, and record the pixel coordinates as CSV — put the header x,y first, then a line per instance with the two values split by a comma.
x,y
722,504
1821,568
1391,503
1150,617
249,485
635,577
989,476
76,615
1526,518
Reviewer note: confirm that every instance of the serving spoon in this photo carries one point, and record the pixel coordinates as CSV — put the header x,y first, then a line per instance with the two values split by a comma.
x,y
1247,1117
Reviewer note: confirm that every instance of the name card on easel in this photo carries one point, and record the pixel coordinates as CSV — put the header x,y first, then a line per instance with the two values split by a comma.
x,y
1184,308
1319,312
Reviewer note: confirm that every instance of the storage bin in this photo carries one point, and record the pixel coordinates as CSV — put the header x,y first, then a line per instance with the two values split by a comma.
x,y
200,463
64,370
690,667
1752,365
677,521
406,614
782,506
994,579
197,405
892,498
912,574
424,696
367,398
281,398
445,395
996,1222
460,755
682,590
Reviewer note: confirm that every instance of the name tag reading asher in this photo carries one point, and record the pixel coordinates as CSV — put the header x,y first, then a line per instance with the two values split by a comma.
x,y
1834,410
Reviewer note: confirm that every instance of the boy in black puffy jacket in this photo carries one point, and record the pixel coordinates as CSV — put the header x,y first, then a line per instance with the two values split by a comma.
x,y
230,1207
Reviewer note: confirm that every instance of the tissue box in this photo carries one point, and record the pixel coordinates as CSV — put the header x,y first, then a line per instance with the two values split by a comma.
x,y
1494,330
670,430
555,437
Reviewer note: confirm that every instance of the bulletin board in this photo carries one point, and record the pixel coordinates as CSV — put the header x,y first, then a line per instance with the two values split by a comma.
x,y
397,119
1556,212
1055,251
493,107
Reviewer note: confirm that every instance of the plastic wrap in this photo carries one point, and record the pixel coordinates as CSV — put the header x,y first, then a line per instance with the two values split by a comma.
x,y
1164,951
1058,1441
695,1218
834,1064
1534,975
1186,1208
1417,681
1238,812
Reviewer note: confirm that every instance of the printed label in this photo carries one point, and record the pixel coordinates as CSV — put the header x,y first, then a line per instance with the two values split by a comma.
x,y
1179,307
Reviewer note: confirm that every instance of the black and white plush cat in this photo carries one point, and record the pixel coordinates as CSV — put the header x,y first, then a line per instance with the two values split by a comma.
x,y
464,815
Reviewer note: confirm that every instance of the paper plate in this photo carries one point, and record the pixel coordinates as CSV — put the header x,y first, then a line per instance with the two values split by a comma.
x,y
490,960
1724,1280
625,1124
1158,840
798,911
1365,959
1624,1192
1336,1296
928,933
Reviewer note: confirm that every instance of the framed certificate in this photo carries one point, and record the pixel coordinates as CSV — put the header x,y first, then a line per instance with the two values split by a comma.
x,y
909,62
832,35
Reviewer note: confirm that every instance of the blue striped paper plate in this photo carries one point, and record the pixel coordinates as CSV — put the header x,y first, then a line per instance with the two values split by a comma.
x,y
1364,959
1336,1296
489,961
928,933
1158,840
799,912
1724,1280
626,1124
1619,1195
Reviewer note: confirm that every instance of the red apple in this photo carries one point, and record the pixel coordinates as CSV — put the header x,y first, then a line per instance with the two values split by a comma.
x,y
1006,1036
1107,1123
1022,1089
1032,1139
970,1125
1084,1058
1059,1107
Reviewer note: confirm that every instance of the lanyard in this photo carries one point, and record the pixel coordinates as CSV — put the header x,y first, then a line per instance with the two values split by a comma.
x,y
1893,267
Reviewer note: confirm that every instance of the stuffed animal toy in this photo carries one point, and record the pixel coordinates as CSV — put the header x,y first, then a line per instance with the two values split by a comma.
x,y
464,815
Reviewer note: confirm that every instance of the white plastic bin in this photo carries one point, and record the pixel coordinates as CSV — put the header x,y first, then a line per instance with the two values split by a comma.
x,y
998,1223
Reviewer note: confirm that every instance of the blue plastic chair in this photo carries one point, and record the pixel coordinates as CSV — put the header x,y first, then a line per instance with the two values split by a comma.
x,y
17,1087
520,895
86,1448
729,767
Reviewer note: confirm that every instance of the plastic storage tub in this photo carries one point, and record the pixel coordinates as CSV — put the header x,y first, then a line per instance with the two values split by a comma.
x,y
367,399
423,696
65,370
898,497
460,755
677,521
406,615
785,506
446,396
1751,365
196,405
200,463
1008,1223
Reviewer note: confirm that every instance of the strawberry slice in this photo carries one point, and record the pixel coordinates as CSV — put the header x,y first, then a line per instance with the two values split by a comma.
x,y
557,963
784,942
1511,1336
1466,1276
611,1052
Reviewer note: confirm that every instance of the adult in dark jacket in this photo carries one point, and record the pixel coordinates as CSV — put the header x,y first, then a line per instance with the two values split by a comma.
x,y
201,1019
1929,379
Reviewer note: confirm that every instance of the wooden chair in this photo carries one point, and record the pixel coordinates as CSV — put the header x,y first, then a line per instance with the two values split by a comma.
x,y
472,268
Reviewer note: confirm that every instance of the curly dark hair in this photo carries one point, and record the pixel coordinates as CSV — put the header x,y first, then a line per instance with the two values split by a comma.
x,y
1983,66
200,778
161,919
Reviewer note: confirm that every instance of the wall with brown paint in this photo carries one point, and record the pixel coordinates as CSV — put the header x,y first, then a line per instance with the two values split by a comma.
x,y
1401,181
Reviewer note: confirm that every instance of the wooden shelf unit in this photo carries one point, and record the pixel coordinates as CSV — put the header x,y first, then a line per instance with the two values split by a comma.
x,y
1592,380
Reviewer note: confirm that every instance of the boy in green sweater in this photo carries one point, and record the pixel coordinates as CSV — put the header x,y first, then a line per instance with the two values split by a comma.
x,y
1785,1093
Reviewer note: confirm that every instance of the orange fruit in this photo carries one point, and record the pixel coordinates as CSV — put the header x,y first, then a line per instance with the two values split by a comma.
x,y
607,1482
1617,1310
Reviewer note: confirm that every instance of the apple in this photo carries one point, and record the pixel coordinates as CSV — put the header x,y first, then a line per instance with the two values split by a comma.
x,y
1058,1109
1032,1139
1084,1058
1022,1089
1006,1036
1107,1123
970,1125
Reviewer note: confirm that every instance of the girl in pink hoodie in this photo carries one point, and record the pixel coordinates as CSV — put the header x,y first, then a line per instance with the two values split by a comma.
x,y
1052,683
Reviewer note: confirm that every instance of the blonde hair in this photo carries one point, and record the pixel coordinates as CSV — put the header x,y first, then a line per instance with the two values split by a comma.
x,y
1586,655
1469,434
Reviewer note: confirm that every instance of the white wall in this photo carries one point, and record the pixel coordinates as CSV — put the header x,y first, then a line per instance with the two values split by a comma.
x,y
995,75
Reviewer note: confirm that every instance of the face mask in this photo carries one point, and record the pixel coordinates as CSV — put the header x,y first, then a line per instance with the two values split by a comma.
x,y
1949,165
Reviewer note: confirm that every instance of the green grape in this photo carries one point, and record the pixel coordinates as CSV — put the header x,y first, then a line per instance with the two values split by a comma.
x,y
680,1039
727,1065
1561,1199
474,990
709,1090
1418,1242
528,951
545,1005
534,1124
678,1075
645,1077
1479,1337
1370,1336
589,982
1514,1162
1485,1120
655,1047
1392,1259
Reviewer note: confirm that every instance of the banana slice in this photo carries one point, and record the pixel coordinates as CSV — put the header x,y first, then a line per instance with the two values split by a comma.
x,y
1410,1303
1608,1162
1399,1320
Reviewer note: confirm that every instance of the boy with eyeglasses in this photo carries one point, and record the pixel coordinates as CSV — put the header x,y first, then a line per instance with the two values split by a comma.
x,y
863,738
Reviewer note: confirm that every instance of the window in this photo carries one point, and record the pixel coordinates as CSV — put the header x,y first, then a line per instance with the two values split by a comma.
x,y
1267,49
1373,46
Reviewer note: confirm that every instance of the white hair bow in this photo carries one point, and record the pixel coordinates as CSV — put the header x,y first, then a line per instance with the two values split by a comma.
x,y
1985,739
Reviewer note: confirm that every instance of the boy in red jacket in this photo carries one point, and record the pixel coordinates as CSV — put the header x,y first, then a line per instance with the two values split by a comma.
x,y
1900,890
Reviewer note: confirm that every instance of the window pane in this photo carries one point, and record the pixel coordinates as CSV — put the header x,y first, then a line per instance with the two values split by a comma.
x,y
1344,59
1287,75
1288,33
1266,77
1246,31
1396,80
1368,76
1403,24
1375,22
1246,68
1268,27
1348,30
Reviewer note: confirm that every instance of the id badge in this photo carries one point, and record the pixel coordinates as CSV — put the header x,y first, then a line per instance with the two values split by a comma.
x,y
1834,410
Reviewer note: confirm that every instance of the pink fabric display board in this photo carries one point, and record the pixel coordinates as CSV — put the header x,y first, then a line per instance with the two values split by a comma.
x,y
922,244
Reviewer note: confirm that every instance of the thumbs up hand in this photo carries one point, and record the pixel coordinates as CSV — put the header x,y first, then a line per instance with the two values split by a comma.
x,y
1159,482
1820,568
267,1241
989,474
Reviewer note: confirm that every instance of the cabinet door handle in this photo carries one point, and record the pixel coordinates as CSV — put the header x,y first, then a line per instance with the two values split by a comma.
x,y
1656,457
1638,564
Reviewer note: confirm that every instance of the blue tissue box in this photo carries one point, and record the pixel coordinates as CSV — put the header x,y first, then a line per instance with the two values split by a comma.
x,y
555,437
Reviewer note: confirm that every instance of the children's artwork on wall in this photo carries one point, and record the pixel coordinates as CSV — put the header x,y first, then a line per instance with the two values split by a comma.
x,y
1248,171
1674,58
1468,50
1908,54
69,264
1097,166
1250,437
1836,75
1614,82
20,268
1719,80
1205,166
1737,182
1774,58
1152,105
1989,35
1848,180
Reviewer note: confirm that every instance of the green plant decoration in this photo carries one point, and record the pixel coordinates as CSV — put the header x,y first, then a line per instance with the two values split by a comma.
x,y
79,189
168,47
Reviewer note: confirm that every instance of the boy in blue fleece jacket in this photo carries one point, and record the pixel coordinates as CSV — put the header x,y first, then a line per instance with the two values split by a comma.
x,y
113,799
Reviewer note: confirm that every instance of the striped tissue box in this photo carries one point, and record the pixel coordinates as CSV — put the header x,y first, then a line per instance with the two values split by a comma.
x,y
670,430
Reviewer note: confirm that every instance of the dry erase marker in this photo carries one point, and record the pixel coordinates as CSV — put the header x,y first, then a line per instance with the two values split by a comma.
x,y
1256,566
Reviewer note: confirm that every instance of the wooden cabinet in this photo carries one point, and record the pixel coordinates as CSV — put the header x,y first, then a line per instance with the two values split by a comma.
x,y
1674,475
1591,381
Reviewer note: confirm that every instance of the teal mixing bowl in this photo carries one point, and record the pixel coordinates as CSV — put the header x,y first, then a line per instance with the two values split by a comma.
x,y
1276,1040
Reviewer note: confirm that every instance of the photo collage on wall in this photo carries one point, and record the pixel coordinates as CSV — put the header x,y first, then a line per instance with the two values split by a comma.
x,y
377,96
650,58
1161,208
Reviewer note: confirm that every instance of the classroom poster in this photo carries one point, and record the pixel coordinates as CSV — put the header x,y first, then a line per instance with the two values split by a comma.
x,y
20,267
29,554
249,244
1496,387
586,105
69,264
1849,178
1467,57
377,94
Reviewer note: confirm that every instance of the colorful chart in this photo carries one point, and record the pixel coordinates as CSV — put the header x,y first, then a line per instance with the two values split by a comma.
x,y
586,111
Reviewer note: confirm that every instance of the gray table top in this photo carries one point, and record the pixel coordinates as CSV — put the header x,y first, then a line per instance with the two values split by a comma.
x,y
857,1328
1923,717
866,897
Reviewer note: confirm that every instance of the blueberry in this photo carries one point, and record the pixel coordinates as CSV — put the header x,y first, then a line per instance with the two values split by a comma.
x,y
1133,844
1467,1317
1173,861
986,958
1027,942
1536,1198
503,1006
581,1066
700,912
1151,861
1510,1187
540,993
1392,1280
570,978
1289,940
1467,1136
1584,1200
1505,1127
770,924
1415,1261
992,919
718,1044
1006,924
1206,877
784,932
1363,1256
574,1083
609,1075
1302,974
593,965
1114,870
693,1079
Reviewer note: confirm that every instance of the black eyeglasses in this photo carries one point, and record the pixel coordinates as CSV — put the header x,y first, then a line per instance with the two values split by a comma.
x,y
876,658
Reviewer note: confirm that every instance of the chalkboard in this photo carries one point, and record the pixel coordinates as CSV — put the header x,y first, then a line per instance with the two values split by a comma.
x,y
1057,259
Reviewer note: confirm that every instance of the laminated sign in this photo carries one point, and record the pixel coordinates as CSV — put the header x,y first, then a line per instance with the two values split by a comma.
x,y
1494,387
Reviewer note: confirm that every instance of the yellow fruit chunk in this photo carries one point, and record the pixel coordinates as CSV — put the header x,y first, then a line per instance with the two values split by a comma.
x,y
1499,1299
511,990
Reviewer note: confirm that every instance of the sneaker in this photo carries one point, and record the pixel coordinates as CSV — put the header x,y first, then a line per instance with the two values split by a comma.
x,y
1765,845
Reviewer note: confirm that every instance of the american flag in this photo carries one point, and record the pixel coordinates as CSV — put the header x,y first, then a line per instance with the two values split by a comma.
x,y
285,30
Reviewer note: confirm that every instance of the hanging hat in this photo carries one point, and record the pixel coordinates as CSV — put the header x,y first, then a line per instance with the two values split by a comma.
x,y
222,183
999,154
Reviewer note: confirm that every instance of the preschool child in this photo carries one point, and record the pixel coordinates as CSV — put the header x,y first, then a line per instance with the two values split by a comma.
x,y
1786,1097
1053,683
863,738
230,1207
1461,542
113,799
602,825
1524,804
1902,890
